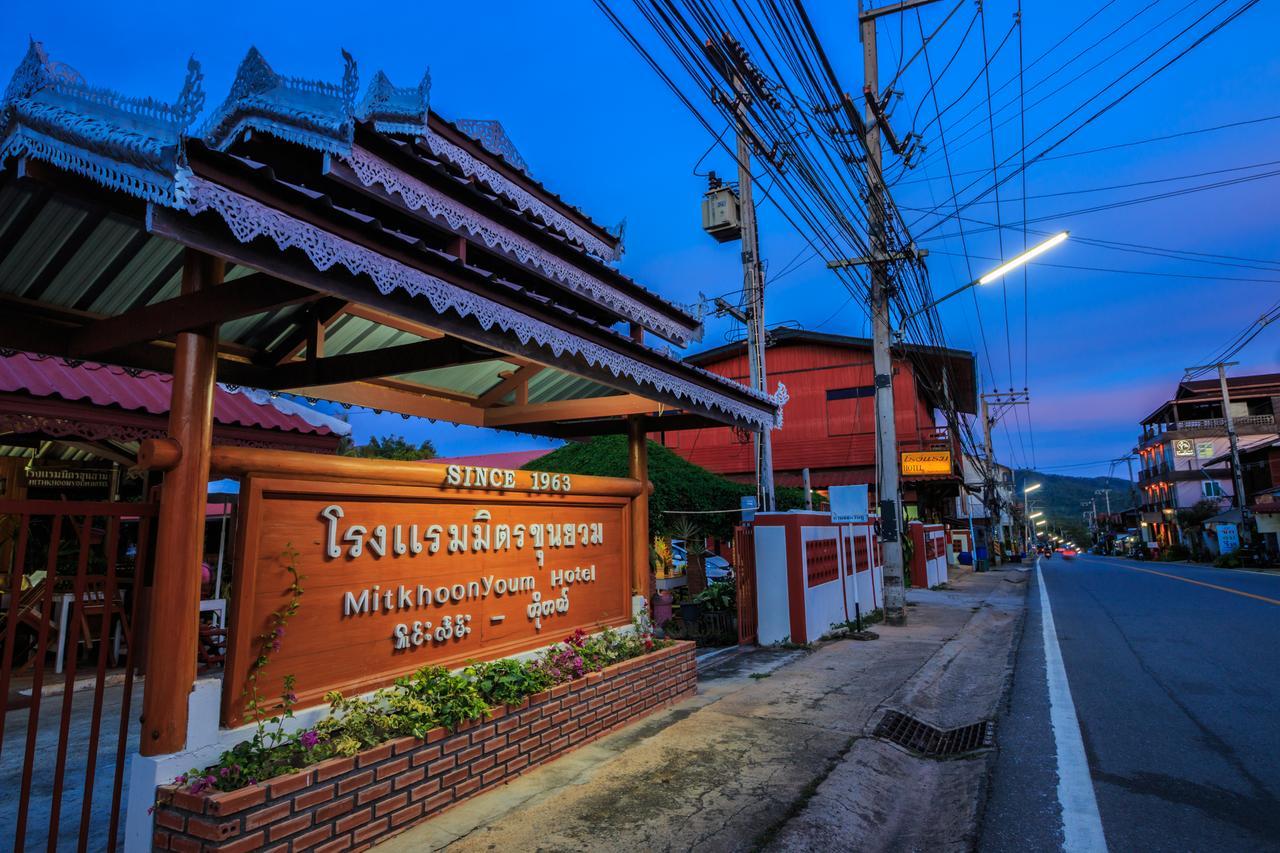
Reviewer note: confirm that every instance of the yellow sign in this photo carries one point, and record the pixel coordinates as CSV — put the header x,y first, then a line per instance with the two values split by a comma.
x,y
923,463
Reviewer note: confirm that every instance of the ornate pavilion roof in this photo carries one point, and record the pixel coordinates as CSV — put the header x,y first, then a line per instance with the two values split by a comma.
x,y
377,254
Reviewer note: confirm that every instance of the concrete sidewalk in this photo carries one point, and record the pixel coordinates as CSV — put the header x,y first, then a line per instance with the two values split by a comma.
x,y
775,752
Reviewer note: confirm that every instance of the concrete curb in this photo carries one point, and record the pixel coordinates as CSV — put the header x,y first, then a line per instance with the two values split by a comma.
x,y
880,796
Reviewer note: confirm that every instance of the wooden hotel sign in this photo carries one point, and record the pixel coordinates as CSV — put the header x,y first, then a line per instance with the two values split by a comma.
x,y
409,564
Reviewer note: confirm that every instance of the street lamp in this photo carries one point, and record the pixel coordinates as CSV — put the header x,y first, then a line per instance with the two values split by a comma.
x,y
1029,489
1042,521
1011,264
1035,514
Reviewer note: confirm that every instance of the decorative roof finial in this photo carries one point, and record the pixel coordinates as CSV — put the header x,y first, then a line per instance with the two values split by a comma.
x,y
49,113
393,109
309,112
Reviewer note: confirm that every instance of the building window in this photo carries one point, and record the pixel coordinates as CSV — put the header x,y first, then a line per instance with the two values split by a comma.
x,y
844,405
1211,489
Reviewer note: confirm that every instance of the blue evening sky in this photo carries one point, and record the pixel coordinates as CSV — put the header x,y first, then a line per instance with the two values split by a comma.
x,y
1107,344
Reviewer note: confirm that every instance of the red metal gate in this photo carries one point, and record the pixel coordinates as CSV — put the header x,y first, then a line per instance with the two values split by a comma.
x,y
72,567
744,556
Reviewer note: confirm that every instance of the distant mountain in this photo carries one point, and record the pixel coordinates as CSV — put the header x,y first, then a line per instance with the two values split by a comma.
x,y
1060,497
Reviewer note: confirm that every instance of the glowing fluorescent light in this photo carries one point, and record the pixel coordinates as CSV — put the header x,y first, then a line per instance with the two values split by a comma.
x,y
1019,260
1041,521
1035,515
1029,489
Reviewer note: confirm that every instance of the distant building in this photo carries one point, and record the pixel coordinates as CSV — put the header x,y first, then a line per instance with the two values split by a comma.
x,y
971,508
1184,453
829,420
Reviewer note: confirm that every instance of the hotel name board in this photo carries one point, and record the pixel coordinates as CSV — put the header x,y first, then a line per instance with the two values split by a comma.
x,y
923,463
477,563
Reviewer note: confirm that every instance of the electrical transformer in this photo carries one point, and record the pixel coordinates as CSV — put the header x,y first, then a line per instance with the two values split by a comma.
x,y
720,214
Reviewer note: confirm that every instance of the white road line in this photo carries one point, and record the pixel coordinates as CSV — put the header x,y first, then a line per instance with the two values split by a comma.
x,y
1081,823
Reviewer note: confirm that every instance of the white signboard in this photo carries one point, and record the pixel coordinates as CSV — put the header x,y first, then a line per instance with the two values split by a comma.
x,y
1228,538
848,504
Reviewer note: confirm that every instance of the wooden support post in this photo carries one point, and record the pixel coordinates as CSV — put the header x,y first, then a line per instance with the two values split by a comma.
x,y
175,600
638,456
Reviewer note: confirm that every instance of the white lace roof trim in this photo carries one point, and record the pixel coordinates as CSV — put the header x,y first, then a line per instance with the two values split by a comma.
x,y
522,198
249,219
371,169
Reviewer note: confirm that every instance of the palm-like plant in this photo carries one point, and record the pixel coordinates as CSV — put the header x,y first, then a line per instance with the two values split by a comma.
x,y
695,569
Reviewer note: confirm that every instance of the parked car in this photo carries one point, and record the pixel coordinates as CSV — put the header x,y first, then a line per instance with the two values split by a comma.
x,y
717,567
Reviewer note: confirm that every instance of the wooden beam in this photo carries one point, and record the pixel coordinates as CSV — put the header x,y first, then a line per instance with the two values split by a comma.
x,y
47,329
205,308
242,461
568,410
516,380
314,327
378,396
392,321
322,312
175,600
638,469
374,364
429,390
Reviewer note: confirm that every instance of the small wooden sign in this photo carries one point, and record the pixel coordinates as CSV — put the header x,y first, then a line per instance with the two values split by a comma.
x,y
473,564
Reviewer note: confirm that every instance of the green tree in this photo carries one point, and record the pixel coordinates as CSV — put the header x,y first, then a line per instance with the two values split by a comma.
x,y
388,447
679,486
1192,517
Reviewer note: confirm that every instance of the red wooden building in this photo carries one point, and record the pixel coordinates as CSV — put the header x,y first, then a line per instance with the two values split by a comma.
x,y
829,424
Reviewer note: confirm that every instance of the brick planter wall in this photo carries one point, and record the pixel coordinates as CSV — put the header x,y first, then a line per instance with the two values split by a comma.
x,y
349,803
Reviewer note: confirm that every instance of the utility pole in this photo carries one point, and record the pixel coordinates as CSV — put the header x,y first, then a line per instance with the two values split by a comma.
x,y
1003,403
888,488
1133,488
753,284
1237,479
734,65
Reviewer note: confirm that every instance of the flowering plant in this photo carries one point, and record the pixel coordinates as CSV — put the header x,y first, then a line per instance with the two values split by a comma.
x,y
430,697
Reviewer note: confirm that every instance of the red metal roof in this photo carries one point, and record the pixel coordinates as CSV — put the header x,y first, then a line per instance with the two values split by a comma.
x,y
511,459
145,391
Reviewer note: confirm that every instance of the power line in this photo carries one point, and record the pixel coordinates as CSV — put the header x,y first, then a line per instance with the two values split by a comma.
x,y
1113,147
1100,208
1123,271
1249,4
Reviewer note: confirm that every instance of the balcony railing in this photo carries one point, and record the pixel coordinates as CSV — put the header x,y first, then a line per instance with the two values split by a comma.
x,y
1265,421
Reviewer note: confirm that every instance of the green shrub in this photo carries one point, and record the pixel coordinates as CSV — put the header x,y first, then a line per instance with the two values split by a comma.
x,y
1228,561
433,697
720,596
417,703
507,681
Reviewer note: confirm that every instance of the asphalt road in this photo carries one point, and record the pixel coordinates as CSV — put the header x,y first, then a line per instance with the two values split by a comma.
x,y
1174,674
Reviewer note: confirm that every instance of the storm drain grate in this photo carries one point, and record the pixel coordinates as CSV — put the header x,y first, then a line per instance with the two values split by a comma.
x,y
933,742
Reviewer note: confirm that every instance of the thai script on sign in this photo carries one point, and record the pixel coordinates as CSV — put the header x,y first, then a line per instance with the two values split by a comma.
x,y
480,536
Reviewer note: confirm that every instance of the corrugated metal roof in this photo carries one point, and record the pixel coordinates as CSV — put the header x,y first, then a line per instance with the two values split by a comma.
x,y
145,390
